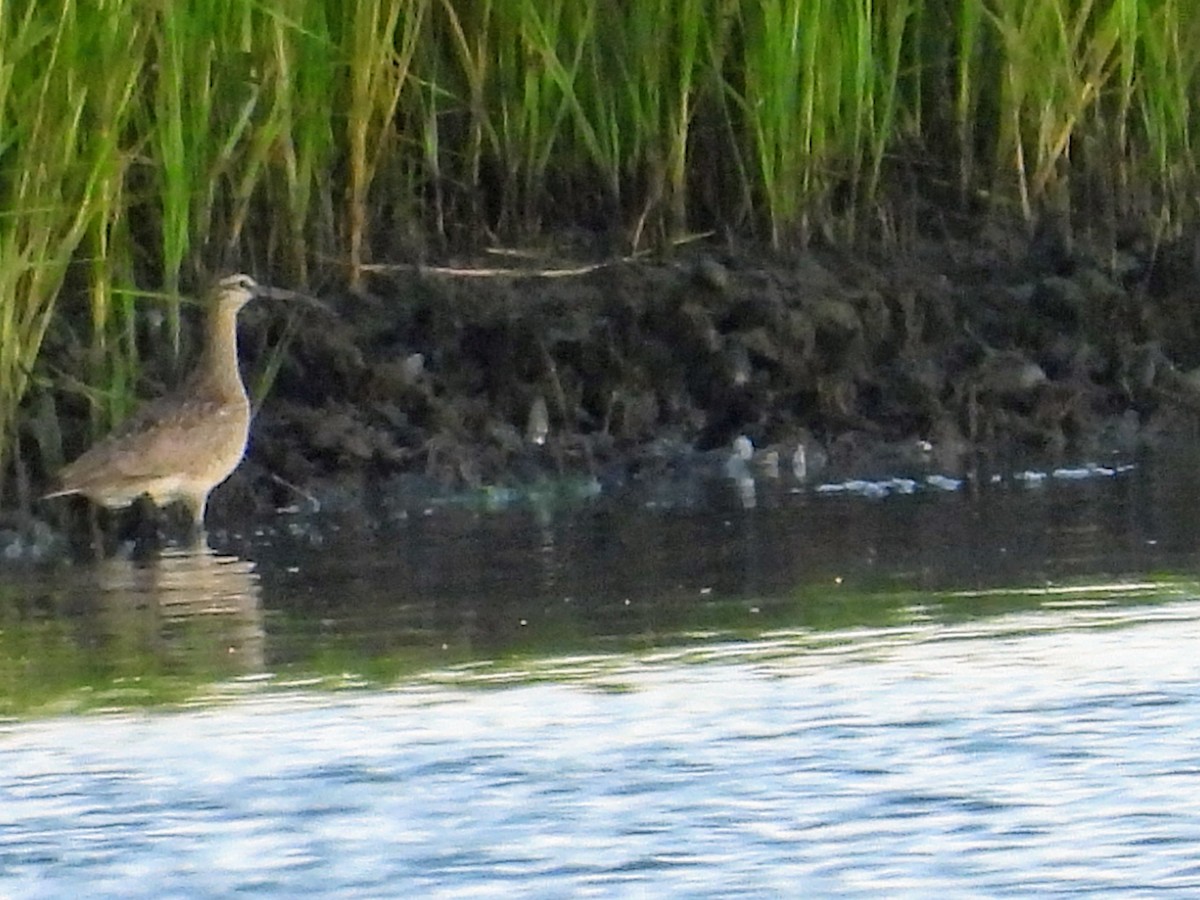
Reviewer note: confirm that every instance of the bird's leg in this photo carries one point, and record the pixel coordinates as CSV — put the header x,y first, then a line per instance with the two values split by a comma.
x,y
195,506
97,533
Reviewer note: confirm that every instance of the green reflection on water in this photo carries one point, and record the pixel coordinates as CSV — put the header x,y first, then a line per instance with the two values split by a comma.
x,y
62,651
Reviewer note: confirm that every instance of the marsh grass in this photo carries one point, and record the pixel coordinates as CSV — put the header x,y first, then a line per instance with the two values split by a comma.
x,y
61,185
163,143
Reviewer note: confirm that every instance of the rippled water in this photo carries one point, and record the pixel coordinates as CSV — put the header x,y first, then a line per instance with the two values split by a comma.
x,y
751,720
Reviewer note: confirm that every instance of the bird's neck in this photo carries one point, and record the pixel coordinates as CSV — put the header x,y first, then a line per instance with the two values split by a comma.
x,y
220,362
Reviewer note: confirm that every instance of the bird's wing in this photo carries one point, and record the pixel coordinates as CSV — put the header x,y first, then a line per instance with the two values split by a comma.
x,y
156,442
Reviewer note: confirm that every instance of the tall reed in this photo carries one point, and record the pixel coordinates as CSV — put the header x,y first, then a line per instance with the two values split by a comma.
x,y
642,89
62,165
161,142
1044,104
379,41
1165,80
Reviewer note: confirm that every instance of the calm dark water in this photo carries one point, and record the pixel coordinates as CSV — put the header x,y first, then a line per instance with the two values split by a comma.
x,y
857,689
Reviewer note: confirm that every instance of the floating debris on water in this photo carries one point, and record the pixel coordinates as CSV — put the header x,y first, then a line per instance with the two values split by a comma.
x,y
943,482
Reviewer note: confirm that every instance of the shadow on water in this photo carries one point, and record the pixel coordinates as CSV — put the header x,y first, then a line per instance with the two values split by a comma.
x,y
340,601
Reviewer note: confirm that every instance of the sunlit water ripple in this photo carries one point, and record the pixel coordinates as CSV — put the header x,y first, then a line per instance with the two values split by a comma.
x,y
1043,752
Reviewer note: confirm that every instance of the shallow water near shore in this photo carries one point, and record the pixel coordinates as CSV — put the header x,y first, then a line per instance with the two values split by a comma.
x,y
982,685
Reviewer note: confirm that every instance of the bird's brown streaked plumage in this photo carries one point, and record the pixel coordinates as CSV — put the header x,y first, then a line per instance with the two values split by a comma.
x,y
180,446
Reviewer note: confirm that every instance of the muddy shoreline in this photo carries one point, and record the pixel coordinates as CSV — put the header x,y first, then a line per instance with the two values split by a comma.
x,y
566,363
1002,345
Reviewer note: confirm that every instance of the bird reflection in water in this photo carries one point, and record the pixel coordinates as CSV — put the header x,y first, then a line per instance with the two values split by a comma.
x,y
191,610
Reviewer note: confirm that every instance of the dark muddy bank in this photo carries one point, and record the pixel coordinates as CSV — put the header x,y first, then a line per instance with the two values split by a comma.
x,y
999,346
932,357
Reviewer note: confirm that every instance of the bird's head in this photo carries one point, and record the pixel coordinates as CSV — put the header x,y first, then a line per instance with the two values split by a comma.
x,y
235,291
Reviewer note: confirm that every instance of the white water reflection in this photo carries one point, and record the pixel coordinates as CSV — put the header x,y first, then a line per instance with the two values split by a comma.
x,y
1043,752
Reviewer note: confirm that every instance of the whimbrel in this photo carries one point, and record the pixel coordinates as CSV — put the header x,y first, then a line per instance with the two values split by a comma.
x,y
180,446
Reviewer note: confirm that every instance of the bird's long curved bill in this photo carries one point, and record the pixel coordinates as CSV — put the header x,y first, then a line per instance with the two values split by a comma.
x,y
275,293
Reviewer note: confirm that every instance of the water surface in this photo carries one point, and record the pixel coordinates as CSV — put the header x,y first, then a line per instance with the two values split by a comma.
x,y
984,690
